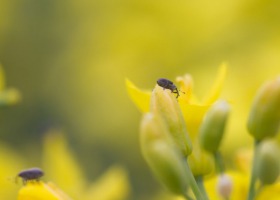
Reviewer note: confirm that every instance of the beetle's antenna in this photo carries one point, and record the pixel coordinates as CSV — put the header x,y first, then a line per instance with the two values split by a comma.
x,y
182,91
13,179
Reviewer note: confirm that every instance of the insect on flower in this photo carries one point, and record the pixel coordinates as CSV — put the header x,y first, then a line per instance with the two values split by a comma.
x,y
32,174
167,84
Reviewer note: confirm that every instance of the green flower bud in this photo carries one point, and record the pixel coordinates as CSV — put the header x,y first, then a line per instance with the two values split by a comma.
x,y
268,163
162,156
264,118
213,126
164,104
200,161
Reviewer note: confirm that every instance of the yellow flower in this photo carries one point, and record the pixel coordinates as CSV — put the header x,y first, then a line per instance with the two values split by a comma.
x,y
240,181
8,96
193,111
62,168
271,192
37,190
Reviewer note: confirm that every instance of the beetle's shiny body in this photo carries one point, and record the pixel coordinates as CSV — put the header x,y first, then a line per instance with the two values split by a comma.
x,y
167,84
32,174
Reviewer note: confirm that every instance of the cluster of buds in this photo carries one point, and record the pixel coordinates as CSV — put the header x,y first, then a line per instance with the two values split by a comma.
x,y
181,161
167,148
263,124
165,143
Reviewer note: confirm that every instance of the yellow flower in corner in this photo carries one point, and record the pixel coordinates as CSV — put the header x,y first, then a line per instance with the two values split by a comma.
x,y
38,190
61,167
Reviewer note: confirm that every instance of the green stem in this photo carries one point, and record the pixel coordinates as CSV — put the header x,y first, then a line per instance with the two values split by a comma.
x,y
219,163
196,191
199,181
252,188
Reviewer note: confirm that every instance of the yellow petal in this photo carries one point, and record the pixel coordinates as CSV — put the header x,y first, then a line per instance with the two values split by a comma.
x,y
58,191
243,159
193,115
140,98
216,89
186,86
34,190
271,192
61,166
113,185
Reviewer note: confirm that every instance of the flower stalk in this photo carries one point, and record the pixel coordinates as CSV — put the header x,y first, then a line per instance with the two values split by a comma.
x,y
252,187
200,184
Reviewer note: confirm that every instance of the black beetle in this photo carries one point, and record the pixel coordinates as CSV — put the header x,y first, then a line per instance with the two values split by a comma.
x,y
32,174
167,84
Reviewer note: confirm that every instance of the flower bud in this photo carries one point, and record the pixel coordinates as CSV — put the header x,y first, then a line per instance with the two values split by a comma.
x,y
162,156
164,104
224,186
213,126
264,118
268,163
200,161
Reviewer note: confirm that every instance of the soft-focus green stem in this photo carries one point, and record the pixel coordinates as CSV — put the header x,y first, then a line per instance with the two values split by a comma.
x,y
252,188
219,163
199,181
196,191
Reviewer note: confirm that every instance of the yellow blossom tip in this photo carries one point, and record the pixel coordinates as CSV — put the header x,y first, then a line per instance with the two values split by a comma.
x,y
186,86
216,89
37,190
139,97
56,155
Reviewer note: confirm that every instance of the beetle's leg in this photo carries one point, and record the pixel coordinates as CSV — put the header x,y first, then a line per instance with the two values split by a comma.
x,y
176,92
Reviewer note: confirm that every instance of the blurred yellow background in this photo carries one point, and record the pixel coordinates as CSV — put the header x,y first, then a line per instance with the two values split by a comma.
x,y
69,60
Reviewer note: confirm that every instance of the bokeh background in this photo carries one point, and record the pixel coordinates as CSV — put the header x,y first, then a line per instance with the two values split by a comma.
x,y
69,60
